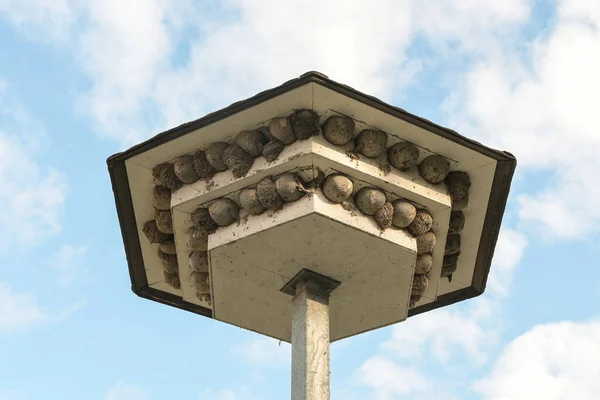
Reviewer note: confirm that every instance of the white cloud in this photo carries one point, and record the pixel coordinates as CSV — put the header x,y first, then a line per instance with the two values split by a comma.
x,y
141,82
124,391
445,336
264,352
442,333
387,380
31,196
41,19
123,56
557,361
271,44
18,310
21,310
472,26
268,43
509,250
469,330
69,261
540,103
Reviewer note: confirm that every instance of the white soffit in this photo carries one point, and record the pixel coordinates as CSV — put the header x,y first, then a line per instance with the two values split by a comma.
x,y
325,102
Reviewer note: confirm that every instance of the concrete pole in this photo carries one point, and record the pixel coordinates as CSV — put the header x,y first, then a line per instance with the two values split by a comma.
x,y
310,343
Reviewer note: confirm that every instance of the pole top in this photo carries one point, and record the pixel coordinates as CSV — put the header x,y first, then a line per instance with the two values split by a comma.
x,y
318,282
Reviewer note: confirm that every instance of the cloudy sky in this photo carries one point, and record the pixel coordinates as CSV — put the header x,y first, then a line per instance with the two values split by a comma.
x,y
81,80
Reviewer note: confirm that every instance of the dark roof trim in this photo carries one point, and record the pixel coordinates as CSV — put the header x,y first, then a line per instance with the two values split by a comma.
x,y
173,301
506,164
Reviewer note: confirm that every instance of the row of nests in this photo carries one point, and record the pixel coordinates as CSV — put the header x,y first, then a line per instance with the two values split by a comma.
x,y
238,157
269,142
160,231
434,169
199,276
301,125
449,263
271,194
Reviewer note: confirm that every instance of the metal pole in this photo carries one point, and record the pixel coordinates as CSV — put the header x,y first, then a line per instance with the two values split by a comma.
x,y
310,343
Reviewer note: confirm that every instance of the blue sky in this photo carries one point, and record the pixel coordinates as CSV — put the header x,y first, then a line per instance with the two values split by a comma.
x,y
82,80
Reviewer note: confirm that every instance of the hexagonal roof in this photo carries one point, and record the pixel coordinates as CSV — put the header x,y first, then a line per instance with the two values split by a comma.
x,y
491,172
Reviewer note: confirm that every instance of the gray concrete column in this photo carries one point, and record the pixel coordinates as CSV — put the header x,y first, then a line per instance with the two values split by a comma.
x,y
310,343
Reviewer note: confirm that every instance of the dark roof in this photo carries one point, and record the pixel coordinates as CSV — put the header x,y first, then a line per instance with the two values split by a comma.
x,y
506,164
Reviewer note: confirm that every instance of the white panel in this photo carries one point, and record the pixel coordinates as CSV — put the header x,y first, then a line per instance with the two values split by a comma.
x,y
327,100
253,117
249,272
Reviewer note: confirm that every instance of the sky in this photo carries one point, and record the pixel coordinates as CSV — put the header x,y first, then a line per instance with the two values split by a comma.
x,y
81,80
